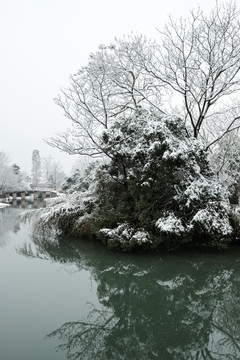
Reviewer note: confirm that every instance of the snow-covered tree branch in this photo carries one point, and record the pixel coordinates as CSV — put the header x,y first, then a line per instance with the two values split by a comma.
x,y
199,60
194,67
113,83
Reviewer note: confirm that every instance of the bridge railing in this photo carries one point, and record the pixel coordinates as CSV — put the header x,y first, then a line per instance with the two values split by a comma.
x,y
22,194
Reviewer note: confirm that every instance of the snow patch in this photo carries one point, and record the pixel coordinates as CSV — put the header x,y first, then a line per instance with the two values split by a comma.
x,y
170,224
2,205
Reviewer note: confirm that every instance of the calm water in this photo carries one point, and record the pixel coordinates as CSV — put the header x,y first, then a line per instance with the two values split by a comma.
x,y
89,303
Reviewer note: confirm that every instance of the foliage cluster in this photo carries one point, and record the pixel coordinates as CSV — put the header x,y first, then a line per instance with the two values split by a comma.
x,y
158,189
63,218
79,181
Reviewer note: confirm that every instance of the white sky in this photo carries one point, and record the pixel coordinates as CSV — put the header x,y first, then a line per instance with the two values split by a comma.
x,y
42,42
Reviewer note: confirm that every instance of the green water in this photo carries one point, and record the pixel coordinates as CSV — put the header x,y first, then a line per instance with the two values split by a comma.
x,y
89,303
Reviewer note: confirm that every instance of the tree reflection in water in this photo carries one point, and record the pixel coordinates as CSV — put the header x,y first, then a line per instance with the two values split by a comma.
x,y
9,216
8,222
170,307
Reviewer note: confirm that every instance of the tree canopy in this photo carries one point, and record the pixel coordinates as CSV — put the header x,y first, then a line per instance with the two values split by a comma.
x,y
192,69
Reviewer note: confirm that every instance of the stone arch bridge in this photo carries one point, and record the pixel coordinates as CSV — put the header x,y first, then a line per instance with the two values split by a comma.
x,y
23,193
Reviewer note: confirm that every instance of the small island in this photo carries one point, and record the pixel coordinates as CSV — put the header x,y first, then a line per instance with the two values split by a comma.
x,y
161,119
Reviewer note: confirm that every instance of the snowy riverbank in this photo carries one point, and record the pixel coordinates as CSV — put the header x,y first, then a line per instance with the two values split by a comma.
x,y
2,205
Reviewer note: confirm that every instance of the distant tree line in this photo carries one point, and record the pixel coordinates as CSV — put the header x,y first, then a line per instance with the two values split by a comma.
x,y
46,172
11,176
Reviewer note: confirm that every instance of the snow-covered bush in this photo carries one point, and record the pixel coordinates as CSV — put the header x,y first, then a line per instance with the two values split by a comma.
x,y
170,224
156,191
126,237
67,216
159,182
225,160
79,180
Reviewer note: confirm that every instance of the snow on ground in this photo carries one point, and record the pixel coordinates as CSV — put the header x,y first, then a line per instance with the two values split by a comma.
x,y
3,205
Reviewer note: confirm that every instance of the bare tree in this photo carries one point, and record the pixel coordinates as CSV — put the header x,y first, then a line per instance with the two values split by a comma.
x,y
52,172
112,83
199,60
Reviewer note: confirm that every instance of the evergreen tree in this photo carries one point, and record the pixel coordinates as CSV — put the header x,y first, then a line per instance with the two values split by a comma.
x,y
158,188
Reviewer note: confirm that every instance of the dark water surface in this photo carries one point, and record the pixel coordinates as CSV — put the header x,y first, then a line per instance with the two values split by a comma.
x,y
94,304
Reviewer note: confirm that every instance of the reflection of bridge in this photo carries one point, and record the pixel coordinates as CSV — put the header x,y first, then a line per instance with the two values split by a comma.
x,y
23,193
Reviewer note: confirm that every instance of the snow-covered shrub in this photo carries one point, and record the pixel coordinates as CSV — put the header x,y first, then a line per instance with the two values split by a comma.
x,y
225,160
69,216
156,191
81,181
159,180
235,223
126,237
170,224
